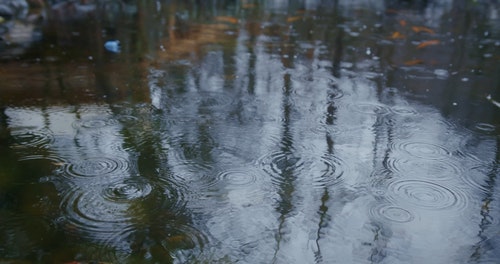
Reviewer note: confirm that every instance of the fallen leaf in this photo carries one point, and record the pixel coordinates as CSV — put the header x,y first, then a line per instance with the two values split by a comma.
x,y
426,43
227,19
422,29
397,35
293,19
247,6
402,22
413,62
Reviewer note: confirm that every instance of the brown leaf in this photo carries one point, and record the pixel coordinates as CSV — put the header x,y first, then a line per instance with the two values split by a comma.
x,y
228,19
402,22
413,62
397,35
247,6
293,19
422,29
426,43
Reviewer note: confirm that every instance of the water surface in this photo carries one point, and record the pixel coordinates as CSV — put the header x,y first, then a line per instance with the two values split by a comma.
x,y
252,132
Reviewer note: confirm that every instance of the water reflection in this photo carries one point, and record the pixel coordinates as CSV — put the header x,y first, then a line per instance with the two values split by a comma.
x,y
253,132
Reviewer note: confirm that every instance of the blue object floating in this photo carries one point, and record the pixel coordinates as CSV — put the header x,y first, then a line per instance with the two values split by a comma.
x,y
112,46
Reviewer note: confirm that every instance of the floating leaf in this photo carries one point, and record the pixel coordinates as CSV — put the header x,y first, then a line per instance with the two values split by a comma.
x,y
397,35
293,19
227,19
426,43
402,22
422,29
413,62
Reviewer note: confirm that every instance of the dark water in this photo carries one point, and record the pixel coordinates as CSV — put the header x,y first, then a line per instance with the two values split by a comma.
x,y
251,132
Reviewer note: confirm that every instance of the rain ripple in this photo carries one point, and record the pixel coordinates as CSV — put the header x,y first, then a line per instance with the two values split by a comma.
x,y
94,122
327,171
324,171
315,81
193,154
369,108
426,195
128,190
97,166
33,139
422,150
480,177
164,240
485,128
392,213
238,177
423,168
281,164
86,211
404,110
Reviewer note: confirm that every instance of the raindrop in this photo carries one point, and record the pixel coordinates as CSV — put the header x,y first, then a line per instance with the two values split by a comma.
x,y
370,108
281,165
309,83
128,190
321,129
326,171
193,156
403,110
127,119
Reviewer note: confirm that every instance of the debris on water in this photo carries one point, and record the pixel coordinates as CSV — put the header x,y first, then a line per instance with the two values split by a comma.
x,y
417,29
426,43
489,98
413,62
441,73
112,46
